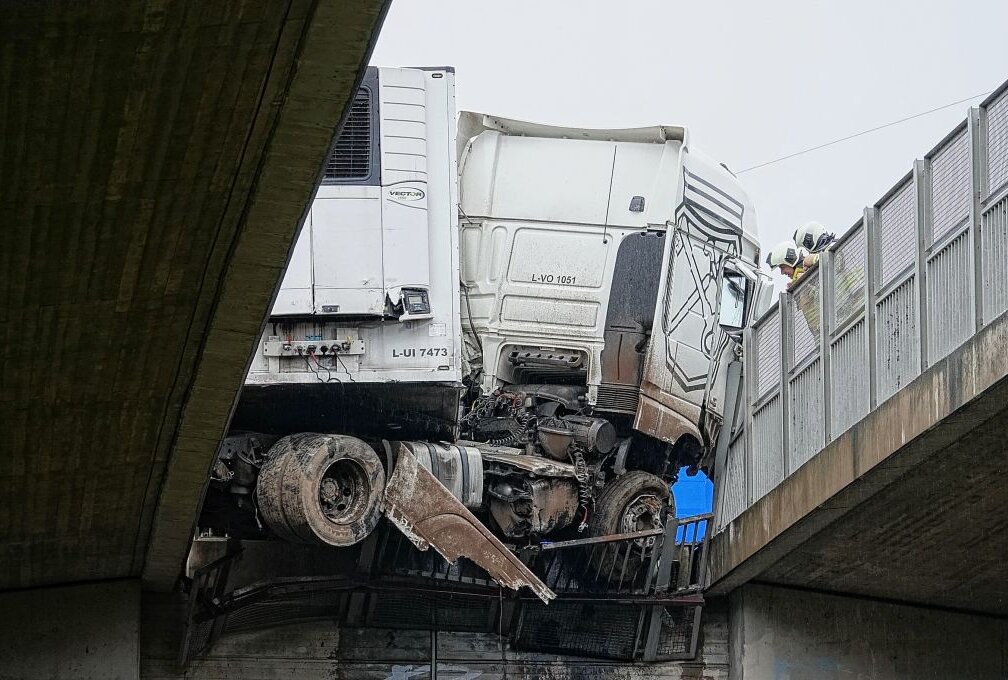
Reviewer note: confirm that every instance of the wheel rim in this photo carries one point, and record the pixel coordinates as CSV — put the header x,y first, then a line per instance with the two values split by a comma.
x,y
344,491
641,514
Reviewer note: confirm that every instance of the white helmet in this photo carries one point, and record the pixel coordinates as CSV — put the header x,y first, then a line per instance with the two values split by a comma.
x,y
785,252
812,236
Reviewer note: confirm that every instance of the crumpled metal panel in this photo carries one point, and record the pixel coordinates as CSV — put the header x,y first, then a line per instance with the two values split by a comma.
x,y
426,512
538,465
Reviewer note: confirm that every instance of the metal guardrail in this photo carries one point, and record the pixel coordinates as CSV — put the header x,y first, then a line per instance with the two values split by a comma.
x,y
920,273
624,596
654,564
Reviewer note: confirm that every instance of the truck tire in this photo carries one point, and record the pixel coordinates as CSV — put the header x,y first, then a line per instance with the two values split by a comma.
x,y
634,501
321,488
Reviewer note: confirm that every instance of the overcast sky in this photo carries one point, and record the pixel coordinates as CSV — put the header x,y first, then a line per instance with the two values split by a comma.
x,y
751,80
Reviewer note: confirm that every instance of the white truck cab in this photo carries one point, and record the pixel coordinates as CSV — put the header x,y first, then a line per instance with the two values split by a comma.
x,y
595,257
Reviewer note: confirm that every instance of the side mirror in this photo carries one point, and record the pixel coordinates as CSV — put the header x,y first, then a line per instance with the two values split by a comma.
x,y
734,293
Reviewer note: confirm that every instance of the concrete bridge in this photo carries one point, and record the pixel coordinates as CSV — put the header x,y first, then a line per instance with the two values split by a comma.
x,y
157,161
867,475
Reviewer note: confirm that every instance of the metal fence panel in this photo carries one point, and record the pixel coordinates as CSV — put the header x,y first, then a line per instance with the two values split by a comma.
x,y
896,236
997,143
849,262
735,500
896,340
949,290
768,354
994,260
806,317
805,416
849,378
879,291
768,472
951,176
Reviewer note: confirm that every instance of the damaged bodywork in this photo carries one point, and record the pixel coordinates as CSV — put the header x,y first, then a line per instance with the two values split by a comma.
x,y
423,509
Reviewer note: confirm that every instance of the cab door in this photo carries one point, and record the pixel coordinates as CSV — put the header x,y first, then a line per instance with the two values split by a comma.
x,y
686,340
743,295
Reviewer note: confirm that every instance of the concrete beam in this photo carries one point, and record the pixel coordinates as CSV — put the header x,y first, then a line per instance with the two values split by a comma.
x,y
962,392
316,87
157,159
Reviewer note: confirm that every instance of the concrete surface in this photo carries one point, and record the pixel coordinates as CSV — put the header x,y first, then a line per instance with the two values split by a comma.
x,y
320,650
910,504
84,631
792,635
157,159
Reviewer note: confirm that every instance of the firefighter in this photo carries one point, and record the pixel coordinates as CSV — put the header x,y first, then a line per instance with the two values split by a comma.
x,y
787,257
792,262
813,238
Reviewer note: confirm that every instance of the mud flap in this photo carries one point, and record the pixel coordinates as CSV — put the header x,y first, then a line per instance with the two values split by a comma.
x,y
426,512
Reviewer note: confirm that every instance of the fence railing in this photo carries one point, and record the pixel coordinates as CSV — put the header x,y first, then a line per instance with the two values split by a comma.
x,y
624,596
917,275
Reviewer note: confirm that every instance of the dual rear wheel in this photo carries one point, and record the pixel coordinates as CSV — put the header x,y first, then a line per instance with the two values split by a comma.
x,y
321,488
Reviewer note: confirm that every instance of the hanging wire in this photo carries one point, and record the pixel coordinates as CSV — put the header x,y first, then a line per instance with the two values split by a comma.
x,y
863,132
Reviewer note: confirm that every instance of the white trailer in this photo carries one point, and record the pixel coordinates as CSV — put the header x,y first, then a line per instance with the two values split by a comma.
x,y
376,264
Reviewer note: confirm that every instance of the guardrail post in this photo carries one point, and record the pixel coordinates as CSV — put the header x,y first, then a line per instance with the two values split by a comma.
x,y
748,376
826,297
784,307
921,178
976,224
871,279
733,392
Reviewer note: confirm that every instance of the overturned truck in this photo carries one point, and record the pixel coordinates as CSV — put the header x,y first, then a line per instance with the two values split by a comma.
x,y
500,339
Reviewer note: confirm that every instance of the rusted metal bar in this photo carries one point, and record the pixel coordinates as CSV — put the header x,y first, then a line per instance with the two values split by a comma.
x,y
598,571
668,550
626,557
611,538
653,631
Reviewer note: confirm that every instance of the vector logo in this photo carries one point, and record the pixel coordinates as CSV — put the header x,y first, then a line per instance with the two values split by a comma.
x,y
406,194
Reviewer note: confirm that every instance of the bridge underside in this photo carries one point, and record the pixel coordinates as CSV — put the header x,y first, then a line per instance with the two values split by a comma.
x,y
157,160
909,505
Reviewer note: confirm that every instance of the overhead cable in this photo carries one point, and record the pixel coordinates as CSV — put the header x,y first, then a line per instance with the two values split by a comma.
x,y
863,132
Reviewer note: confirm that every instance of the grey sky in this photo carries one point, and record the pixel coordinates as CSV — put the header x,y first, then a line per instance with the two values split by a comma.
x,y
752,80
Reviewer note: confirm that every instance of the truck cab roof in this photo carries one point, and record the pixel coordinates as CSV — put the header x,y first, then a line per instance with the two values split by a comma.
x,y
472,123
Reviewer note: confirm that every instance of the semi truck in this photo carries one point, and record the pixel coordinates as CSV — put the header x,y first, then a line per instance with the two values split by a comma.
x,y
539,318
